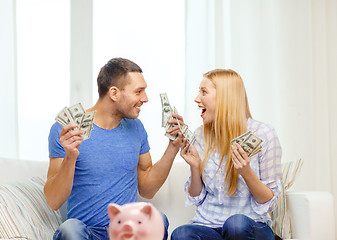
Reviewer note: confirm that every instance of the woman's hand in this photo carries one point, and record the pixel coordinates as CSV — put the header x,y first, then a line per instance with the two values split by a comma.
x,y
190,155
240,159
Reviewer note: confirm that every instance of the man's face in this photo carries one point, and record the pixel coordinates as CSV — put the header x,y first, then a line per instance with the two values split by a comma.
x,y
132,96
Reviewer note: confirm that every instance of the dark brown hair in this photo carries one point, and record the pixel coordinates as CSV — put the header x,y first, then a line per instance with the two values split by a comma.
x,y
114,73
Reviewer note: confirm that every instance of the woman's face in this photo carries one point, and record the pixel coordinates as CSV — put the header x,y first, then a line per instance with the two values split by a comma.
x,y
206,100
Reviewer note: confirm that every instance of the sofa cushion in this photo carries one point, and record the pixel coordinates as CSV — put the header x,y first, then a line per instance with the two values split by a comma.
x,y
280,216
24,212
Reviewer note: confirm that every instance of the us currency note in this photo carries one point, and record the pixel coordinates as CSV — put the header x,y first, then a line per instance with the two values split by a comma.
x,y
256,151
77,112
250,143
64,117
166,109
187,133
241,138
86,124
167,112
170,125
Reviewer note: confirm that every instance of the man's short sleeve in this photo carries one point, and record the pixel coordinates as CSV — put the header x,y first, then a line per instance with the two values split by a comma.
x,y
55,148
144,141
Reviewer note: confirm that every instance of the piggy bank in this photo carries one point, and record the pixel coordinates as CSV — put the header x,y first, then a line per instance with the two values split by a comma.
x,y
135,221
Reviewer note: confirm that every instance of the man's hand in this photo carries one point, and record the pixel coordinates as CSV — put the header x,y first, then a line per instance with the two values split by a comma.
x,y
71,139
179,122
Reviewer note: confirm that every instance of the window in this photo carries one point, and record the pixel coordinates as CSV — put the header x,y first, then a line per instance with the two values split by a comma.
x,y
151,33
42,71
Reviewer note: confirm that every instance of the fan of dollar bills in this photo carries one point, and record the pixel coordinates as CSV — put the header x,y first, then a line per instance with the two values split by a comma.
x,y
167,112
250,143
77,114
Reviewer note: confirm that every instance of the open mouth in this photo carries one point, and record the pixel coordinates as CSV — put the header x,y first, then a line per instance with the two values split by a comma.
x,y
203,110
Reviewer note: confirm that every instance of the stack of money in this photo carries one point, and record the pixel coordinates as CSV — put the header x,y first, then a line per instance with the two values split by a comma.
x,y
250,143
77,114
167,114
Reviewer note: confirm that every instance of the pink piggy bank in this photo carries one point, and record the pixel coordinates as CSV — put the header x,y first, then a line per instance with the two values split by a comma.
x,y
135,221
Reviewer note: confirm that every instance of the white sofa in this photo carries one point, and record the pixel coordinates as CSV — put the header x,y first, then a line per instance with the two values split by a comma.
x,y
311,212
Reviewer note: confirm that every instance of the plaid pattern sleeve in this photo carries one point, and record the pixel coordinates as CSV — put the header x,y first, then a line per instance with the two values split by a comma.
x,y
270,167
198,199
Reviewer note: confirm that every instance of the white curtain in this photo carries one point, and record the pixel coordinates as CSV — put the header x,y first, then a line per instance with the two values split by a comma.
x,y
8,91
285,51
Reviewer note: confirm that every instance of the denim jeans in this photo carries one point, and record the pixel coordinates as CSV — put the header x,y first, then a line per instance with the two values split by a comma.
x,y
74,229
236,227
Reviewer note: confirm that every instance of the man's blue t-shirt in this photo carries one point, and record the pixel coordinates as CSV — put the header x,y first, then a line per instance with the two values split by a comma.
x,y
106,169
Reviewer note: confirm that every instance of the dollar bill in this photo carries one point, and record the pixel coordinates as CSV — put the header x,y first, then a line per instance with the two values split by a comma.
x,y
256,151
86,124
170,125
250,143
64,117
166,109
187,133
167,112
77,114
241,138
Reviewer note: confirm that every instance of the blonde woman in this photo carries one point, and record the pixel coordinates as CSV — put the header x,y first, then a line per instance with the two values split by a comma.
x,y
234,193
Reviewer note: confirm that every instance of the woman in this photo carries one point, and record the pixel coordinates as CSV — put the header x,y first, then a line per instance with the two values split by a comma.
x,y
234,193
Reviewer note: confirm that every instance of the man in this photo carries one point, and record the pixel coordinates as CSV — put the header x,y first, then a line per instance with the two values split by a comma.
x,y
112,163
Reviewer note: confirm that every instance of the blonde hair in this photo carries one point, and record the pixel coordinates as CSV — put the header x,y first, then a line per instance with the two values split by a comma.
x,y
231,114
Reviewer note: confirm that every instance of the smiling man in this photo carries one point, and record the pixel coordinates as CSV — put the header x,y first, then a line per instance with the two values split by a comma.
x,y
113,163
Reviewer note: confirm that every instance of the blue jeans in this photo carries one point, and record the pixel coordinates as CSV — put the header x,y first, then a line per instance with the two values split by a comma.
x,y
236,227
74,229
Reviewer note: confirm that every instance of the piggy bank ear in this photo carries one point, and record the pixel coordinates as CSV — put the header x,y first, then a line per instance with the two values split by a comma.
x,y
113,210
147,210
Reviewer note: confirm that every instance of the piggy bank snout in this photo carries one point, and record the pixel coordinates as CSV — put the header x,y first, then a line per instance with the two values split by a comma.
x,y
127,227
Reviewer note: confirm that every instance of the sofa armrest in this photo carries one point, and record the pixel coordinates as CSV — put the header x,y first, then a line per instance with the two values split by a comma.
x,y
312,215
